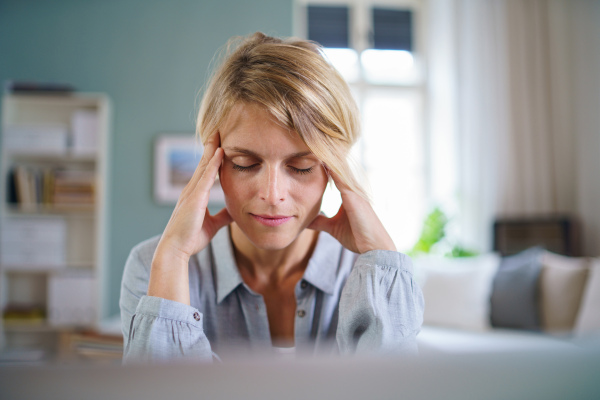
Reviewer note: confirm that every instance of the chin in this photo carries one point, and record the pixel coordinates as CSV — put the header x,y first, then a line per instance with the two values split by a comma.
x,y
271,242
270,239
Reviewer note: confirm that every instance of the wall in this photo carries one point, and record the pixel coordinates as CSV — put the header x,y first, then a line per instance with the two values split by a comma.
x,y
151,57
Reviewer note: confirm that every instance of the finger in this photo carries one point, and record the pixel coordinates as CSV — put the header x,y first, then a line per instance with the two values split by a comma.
x,y
342,186
212,144
210,173
320,223
221,219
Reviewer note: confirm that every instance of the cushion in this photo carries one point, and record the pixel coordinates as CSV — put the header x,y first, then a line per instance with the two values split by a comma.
x,y
588,318
457,291
562,282
514,299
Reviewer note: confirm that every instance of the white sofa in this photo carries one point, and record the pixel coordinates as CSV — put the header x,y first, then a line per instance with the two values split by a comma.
x,y
458,305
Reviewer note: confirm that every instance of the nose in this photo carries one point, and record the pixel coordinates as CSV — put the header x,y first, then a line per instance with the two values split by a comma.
x,y
272,187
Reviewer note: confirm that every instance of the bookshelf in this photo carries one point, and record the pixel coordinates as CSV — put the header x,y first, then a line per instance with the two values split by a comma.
x,y
53,218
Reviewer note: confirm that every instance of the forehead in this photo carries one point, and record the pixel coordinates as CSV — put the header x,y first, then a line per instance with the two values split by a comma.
x,y
253,127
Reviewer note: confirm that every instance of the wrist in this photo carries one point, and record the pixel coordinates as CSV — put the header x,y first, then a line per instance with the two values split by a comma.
x,y
386,245
171,253
169,276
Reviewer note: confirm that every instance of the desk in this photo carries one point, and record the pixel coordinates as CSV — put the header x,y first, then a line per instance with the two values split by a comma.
x,y
523,375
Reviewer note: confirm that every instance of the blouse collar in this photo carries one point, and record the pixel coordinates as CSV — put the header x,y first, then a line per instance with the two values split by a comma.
x,y
321,271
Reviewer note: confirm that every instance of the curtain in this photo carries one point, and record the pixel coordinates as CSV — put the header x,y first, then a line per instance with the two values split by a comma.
x,y
503,139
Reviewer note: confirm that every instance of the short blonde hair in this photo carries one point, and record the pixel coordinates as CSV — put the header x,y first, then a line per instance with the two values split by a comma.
x,y
293,81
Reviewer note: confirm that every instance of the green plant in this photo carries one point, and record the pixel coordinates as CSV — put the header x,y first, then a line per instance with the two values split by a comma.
x,y
433,231
433,234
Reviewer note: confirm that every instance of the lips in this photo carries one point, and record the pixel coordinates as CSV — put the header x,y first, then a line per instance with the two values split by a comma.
x,y
271,220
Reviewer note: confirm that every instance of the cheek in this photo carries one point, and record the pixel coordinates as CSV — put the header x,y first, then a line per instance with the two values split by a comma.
x,y
233,188
310,194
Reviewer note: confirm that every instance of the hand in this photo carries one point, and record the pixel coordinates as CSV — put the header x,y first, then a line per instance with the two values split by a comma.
x,y
191,227
355,226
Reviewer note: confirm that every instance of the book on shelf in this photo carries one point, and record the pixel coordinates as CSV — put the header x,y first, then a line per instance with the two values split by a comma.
x,y
73,187
89,345
31,186
20,314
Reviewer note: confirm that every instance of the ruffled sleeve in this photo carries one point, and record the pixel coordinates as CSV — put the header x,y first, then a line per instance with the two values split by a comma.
x,y
163,329
157,329
381,306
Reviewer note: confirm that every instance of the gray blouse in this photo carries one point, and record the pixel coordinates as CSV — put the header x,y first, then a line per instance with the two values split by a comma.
x,y
346,303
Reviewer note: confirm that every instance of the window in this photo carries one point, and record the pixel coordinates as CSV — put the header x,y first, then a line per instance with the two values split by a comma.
x,y
374,46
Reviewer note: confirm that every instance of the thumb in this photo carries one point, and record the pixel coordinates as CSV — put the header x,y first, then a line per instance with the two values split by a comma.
x,y
221,219
320,223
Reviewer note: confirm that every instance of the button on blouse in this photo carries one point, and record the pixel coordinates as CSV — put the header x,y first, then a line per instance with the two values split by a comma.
x,y
350,292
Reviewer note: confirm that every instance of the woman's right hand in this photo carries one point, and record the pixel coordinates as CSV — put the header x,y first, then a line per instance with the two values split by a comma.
x,y
189,229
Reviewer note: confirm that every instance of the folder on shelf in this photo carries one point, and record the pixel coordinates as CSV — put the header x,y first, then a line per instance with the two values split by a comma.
x,y
33,243
36,138
84,129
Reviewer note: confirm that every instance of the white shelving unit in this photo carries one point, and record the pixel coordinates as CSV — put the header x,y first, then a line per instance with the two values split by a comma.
x,y
53,254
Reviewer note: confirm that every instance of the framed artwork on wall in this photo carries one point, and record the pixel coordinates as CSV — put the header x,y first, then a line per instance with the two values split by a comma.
x,y
176,157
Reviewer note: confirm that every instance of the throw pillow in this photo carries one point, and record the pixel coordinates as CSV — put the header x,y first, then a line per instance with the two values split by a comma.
x,y
457,291
562,281
588,319
514,299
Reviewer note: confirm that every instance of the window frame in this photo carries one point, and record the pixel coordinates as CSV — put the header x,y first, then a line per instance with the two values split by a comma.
x,y
360,28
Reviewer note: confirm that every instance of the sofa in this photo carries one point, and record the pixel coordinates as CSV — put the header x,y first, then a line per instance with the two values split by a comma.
x,y
532,301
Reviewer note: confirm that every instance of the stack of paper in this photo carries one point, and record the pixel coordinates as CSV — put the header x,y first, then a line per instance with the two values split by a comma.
x,y
71,299
33,243
36,139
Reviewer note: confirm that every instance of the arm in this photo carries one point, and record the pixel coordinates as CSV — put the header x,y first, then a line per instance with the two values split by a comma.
x,y
156,329
381,307
158,321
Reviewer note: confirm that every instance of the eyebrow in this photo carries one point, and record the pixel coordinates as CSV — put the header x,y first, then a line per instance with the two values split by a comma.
x,y
256,155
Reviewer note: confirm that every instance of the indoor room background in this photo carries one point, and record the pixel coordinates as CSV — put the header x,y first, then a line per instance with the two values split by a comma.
x,y
500,117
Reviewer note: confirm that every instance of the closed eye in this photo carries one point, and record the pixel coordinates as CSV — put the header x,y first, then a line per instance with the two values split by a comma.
x,y
242,168
302,171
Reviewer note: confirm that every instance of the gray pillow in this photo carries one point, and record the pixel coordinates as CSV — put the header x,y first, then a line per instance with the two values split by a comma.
x,y
515,298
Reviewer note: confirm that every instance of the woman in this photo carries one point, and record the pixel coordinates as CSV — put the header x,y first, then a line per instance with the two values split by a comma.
x,y
268,271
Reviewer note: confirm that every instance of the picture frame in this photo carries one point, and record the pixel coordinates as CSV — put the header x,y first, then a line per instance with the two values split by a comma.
x,y
176,157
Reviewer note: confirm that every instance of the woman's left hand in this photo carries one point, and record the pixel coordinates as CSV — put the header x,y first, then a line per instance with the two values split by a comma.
x,y
355,226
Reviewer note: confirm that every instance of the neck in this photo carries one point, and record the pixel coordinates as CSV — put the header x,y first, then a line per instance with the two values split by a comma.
x,y
272,266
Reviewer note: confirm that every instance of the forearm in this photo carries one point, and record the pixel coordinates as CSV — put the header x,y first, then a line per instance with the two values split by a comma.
x,y
169,277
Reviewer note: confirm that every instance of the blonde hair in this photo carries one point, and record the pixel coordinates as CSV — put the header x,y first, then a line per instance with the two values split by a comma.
x,y
293,81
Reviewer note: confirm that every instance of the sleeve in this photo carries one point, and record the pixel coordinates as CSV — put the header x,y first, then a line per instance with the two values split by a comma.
x,y
381,306
157,329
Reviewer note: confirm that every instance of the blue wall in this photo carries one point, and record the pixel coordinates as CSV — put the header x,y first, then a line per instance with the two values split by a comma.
x,y
151,57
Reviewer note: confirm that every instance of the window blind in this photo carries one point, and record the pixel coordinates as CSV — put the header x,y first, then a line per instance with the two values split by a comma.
x,y
392,29
328,25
